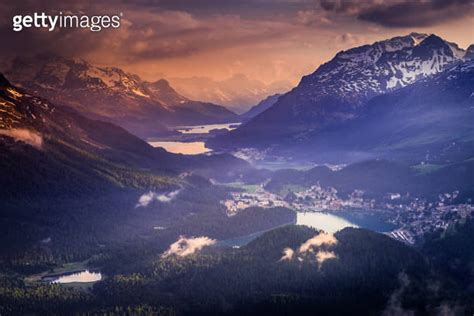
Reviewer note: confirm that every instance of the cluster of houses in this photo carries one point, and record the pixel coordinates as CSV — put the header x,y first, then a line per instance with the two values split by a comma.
x,y
413,219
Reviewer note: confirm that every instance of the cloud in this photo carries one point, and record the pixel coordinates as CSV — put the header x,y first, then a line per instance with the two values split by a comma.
x,y
146,199
394,304
149,30
401,13
287,254
187,246
272,40
350,7
168,197
150,196
322,256
351,39
312,18
417,13
318,241
309,250
25,136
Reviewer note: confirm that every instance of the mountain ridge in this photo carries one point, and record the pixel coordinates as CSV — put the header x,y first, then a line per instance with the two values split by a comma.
x,y
261,106
338,90
65,151
111,94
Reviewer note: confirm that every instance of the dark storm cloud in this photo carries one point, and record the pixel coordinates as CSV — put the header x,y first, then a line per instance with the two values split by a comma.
x,y
163,29
150,29
401,13
226,6
176,28
415,13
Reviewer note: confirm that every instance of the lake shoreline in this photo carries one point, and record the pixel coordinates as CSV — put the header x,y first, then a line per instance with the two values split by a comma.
x,y
191,140
67,269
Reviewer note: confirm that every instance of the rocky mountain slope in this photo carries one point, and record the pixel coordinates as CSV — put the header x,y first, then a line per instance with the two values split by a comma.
x,y
430,120
75,181
55,151
111,94
339,89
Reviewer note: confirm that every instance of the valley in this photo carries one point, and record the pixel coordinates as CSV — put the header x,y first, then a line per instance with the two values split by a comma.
x,y
404,218
351,194
190,140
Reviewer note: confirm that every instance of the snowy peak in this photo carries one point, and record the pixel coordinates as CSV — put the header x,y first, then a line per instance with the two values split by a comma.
x,y
340,89
162,91
55,72
371,53
369,70
417,37
401,42
433,41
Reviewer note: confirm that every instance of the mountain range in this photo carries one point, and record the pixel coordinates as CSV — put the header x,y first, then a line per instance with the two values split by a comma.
x,y
339,92
80,192
430,120
73,178
111,94
237,92
57,152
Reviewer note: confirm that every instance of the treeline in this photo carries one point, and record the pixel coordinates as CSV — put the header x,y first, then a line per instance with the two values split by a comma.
x,y
253,280
16,298
370,274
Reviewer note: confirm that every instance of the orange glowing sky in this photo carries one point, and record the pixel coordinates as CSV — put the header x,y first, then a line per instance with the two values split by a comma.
x,y
275,50
265,40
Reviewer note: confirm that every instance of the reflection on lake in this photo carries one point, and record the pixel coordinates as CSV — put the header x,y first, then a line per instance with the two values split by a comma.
x,y
80,277
346,218
373,220
324,221
205,129
192,148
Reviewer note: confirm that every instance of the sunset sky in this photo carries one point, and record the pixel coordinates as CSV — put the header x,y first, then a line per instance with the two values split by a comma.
x,y
266,40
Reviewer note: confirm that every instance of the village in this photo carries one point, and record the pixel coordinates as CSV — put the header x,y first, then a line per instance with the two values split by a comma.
x,y
413,219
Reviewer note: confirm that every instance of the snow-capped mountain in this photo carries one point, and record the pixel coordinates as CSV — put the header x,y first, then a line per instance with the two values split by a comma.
x,y
338,89
109,93
383,66
430,121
